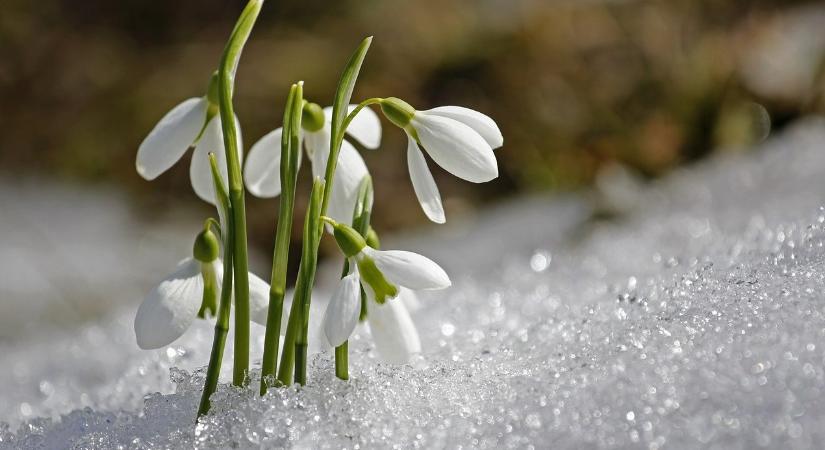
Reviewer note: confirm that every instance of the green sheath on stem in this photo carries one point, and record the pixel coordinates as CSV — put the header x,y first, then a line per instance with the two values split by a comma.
x,y
222,319
290,152
237,219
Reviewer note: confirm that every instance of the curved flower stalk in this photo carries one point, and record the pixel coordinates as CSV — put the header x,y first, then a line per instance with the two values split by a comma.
x,y
458,139
262,171
381,273
192,123
191,291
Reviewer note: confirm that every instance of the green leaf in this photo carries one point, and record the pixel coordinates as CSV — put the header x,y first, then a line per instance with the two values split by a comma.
x,y
345,87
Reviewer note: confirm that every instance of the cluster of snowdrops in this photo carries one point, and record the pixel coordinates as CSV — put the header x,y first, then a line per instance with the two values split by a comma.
x,y
374,282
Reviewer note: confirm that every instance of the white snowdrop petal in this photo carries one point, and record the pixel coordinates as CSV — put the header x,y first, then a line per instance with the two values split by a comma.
x,y
351,169
317,145
481,123
262,171
218,266
410,299
170,138
259,300
409,269
393,332
171,307
342,312
347,179
365,127
200,173
423,183
456,147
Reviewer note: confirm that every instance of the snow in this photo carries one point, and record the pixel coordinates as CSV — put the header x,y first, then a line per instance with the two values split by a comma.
x,y
695,318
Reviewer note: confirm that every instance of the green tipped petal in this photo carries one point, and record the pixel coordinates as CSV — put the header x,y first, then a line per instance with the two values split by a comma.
x,y
372,278
349,241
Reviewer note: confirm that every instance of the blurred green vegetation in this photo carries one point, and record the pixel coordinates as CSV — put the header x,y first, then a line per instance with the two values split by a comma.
x,y
575,85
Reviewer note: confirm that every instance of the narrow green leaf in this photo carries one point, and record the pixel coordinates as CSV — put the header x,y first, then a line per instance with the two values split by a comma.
x,y
346,85
339,113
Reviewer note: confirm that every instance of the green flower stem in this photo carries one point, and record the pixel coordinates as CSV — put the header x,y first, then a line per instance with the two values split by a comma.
x,y
222,319
288,354
290,152
226,80
356,110
293,352
306,279
299,314
361,223
342,361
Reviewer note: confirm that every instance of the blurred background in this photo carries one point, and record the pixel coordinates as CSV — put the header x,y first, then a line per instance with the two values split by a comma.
x,y
585,92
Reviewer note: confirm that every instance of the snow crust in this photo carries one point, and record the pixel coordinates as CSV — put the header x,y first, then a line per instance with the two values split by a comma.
x,y
695,318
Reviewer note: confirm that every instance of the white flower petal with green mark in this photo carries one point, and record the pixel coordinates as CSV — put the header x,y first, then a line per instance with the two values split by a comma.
x,y
171,137
408,269
200,172
365,127
342,312
393,331
456,147
480,123
262,170
172,306
423,183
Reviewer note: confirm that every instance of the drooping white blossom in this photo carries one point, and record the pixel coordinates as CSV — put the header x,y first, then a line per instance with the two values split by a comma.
x,y
458,139
262,172
391,326
173,305
186,125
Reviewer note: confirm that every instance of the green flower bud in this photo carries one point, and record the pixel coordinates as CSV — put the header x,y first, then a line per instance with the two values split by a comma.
x,y
349,241
372,277
372,238
312,117
397,111
207,247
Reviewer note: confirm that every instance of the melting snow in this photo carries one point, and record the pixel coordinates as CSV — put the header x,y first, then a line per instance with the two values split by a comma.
x,y
695,319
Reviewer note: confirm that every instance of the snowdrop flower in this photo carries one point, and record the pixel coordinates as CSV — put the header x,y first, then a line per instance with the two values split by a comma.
x,y
380,273
172,306
262,172
460,140
194,122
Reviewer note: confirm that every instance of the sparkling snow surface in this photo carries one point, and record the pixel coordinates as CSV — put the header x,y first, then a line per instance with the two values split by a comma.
x,y
694,319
